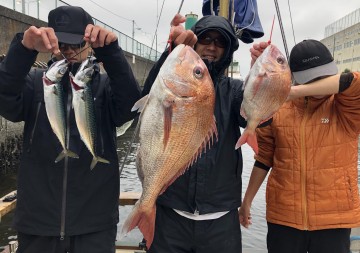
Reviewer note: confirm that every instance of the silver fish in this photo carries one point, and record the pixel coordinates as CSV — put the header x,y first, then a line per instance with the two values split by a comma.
x,y
266,88
83,103
54,104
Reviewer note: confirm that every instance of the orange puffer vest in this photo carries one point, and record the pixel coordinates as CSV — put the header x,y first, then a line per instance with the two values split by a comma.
x,y
312,147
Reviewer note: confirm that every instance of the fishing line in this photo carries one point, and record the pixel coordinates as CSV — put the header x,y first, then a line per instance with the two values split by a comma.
x,y
272,28
138,123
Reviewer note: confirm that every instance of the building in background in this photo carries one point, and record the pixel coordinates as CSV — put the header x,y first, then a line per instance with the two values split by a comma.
x,y
234,70
343,39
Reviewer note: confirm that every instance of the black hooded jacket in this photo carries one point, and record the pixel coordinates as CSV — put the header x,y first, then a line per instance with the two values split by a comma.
x,y
66,198
213,183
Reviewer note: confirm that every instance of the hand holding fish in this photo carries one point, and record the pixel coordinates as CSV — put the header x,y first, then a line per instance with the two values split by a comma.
x,y
41,39
98,36
178,34
257,50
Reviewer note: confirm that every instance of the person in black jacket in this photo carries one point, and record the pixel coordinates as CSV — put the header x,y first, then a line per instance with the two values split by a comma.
x,y
199,211
65,206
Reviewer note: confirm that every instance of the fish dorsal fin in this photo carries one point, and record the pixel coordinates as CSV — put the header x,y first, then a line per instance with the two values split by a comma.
x,y
140,104
207,143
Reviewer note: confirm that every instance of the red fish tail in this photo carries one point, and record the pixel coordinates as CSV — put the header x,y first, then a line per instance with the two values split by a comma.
x,y
248,137
144,219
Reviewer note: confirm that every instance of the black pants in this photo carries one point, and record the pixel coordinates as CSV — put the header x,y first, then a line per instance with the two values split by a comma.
x,y
177,234
98,242
283,239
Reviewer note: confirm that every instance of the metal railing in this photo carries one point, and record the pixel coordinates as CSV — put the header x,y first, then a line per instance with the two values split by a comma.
x,y
40,9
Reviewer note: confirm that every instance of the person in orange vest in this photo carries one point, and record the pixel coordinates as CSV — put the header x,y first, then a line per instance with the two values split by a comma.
x,y
311,146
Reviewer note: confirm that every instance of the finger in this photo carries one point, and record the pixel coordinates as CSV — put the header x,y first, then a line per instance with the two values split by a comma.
x,y
111,37
53,40
95,33
88,31
183,38
45,39
193,41
189,37
101,37
175,31
33,30
264,44
177,20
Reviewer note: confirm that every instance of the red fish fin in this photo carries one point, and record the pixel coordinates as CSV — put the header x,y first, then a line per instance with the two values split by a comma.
x,y
208,141
168,112
206,144
140,104
249,138
144,219
257,83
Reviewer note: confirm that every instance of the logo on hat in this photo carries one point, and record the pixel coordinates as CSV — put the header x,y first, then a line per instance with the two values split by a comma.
x,y
62,20
310,59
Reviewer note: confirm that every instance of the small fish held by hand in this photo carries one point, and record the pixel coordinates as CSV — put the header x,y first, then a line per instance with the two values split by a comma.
x,y
84,109
54,104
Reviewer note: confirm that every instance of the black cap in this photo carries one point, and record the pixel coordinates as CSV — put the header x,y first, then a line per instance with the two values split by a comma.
x,y
311,59
69,23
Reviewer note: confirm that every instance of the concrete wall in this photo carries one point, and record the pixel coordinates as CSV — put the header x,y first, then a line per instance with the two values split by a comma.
x,y
12,22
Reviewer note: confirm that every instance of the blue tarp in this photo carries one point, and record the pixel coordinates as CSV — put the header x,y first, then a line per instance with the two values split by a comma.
x,y
247,24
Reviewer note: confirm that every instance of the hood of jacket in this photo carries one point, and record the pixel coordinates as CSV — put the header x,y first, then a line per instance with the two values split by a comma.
x,y
223,26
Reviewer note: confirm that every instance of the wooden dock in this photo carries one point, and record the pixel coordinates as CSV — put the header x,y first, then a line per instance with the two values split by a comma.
x,y
6,207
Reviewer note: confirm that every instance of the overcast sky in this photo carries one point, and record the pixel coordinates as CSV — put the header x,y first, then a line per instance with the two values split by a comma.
x,y
309,19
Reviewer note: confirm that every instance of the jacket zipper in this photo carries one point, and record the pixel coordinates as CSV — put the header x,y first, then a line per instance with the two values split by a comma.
x,y
33,130
66,165
303,166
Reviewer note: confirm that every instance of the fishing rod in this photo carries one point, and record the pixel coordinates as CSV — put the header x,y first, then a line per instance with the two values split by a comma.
x,y
138,123
282,29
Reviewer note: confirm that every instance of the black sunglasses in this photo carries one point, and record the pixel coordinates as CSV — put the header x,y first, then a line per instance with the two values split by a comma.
x,y
207,40
72,46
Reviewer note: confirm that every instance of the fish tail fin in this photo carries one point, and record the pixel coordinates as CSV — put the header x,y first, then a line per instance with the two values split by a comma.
x,y
97,159
144,219
248,137
71,154
65,153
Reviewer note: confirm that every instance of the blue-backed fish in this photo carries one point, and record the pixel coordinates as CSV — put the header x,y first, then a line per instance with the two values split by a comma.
x,y
84,109
54,104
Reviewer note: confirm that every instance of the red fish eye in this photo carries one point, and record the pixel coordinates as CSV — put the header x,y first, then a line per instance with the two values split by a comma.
x,y
280,60
198,72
